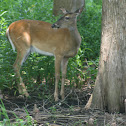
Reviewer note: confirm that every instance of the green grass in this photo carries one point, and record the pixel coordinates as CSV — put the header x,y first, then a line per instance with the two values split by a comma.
x,y
5,120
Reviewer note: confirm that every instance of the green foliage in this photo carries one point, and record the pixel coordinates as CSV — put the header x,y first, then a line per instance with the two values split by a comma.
x,y
3,114
5,120
90,28
89,25
99,2
38,65
39,68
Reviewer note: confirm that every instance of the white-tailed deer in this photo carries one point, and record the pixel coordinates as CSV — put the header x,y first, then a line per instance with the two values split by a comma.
x,y
61,40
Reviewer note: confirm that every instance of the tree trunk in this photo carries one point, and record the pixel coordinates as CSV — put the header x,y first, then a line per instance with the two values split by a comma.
x,y
70,5
110,86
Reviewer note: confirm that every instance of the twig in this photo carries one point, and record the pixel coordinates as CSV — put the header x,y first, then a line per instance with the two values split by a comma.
x,y
11,103
77,98
125,105
65,116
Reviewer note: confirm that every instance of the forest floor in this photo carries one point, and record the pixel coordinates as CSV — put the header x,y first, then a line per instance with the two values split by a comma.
x,y
70,112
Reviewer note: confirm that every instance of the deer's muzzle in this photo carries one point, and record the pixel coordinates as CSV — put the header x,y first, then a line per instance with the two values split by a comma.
x,y
55,26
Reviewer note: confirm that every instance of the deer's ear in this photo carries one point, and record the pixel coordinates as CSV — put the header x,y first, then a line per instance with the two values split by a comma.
x,y
79,10
64,10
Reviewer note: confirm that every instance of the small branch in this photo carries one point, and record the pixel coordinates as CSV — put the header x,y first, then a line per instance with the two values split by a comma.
x,y
77,98
125,105
11,103
65,116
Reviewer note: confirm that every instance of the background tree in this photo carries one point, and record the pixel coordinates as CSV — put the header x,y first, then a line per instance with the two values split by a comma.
x,y
70,5
110,86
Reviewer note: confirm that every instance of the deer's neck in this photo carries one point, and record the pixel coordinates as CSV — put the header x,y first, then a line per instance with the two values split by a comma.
x,y
75,35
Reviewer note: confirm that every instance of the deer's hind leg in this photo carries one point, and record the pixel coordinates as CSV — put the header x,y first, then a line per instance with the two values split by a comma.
x,y
21,57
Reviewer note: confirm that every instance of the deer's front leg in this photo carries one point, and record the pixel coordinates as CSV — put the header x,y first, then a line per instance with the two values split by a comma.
x,y
64,70
58,60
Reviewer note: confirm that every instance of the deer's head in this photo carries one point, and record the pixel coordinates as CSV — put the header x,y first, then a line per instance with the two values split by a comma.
x,y
68,20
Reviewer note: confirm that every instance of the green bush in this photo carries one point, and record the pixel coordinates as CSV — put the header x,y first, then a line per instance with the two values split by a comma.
x,y
90,29
38,67
89,25
17,10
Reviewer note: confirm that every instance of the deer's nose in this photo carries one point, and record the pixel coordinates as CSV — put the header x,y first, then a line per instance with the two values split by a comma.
x,y
55,26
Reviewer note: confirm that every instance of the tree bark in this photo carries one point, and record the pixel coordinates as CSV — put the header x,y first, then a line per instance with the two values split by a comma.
x,y
69,5
110,86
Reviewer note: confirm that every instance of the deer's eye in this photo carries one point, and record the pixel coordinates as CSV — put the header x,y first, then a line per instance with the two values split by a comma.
x,y
67,18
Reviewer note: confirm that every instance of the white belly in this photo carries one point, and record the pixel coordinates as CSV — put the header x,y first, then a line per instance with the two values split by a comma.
x,y
34,49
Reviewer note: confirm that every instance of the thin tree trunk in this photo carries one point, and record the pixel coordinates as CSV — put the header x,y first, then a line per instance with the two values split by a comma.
x,y
110,86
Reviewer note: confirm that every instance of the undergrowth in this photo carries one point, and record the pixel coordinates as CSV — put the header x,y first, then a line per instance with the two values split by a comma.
x,y
38,69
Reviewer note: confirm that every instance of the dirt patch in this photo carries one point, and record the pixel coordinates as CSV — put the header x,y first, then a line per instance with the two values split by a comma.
x,y
43,111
